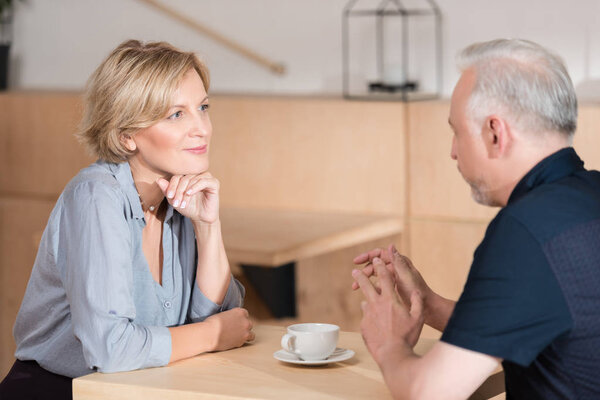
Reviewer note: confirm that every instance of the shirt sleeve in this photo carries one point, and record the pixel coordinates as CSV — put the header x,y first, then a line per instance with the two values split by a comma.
x,y
95,254
202,307
512,306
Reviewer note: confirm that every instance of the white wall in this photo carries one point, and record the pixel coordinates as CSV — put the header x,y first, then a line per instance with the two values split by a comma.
x,y
58,43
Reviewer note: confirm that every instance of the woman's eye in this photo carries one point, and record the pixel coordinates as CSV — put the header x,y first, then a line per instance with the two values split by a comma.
x,y
204,107
175,115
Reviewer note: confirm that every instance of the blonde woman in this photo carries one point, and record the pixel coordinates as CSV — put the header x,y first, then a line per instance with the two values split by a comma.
x,y
131,271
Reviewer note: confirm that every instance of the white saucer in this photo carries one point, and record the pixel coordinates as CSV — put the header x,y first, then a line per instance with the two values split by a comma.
x,y
338,355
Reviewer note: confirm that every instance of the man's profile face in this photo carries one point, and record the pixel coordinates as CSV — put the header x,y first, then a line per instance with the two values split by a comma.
x,y
467,146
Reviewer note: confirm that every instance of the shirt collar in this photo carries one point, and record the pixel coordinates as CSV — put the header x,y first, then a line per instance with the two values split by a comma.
x,y
552,168
122,173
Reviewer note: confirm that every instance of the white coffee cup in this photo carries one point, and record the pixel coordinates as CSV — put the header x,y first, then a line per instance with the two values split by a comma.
x,y
311,341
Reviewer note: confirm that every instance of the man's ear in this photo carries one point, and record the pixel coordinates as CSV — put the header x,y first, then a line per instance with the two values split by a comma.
x,y
496,136
128,142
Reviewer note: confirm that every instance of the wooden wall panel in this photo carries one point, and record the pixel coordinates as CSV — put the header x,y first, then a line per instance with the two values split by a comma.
x,y
39,153
587,137
291,153
436,186
21,221
309,154
443,251
324,286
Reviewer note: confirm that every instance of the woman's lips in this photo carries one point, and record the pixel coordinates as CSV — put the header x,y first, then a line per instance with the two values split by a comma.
x,y
197,150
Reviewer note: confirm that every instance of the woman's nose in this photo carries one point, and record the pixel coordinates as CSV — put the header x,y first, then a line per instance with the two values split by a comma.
x,y
201,125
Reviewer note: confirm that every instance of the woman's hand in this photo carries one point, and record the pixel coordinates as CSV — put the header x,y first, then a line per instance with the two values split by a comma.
x,y
193,196
223,331
231,328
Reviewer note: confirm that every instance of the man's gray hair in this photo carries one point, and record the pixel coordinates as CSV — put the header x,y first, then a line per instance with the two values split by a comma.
x,y
523,79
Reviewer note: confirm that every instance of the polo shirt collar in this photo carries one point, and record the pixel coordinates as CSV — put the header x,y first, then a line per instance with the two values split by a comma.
x,y
122,173
552,168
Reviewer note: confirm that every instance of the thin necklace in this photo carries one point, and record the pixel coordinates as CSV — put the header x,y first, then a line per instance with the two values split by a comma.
x,y
151,208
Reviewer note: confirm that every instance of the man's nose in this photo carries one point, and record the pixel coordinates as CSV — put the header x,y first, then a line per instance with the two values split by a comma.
x,y
453,154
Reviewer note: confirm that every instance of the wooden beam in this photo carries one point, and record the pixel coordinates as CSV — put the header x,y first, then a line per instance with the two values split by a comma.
x,y
274,67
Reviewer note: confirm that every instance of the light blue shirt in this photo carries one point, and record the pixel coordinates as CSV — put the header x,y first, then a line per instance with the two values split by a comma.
x,y
91,303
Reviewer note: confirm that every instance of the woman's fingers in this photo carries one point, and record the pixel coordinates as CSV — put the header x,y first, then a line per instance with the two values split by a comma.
x,y
173,182
182,198
180,188
163,184
202,183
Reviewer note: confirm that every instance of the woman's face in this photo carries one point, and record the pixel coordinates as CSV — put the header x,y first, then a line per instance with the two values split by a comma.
x,y
179,143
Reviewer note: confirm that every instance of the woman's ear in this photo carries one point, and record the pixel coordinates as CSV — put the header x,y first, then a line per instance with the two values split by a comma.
x,y
496,136
128,142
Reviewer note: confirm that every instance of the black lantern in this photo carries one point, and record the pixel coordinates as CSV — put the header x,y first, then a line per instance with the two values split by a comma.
x,y
392,50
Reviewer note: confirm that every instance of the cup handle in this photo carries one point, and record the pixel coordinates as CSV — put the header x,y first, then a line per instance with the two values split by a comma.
x,y
287,342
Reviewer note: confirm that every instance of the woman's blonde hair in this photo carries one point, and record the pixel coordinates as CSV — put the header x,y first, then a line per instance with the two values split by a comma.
x,y
132,89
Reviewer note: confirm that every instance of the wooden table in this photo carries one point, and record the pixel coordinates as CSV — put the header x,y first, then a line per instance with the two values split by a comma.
x,y
276,237
268,243
251,372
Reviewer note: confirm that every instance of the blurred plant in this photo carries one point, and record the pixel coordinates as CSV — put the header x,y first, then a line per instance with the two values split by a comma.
x,y
5,5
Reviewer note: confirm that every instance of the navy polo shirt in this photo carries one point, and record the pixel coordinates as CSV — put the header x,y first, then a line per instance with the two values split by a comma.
x,y
532,296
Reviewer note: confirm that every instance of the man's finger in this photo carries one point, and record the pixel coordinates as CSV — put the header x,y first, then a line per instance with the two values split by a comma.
x,y
402,266
368,271
385,278
365,285
416,305
368,256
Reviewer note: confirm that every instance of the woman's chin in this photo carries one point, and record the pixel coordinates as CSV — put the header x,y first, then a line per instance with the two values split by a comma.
x,y
189,170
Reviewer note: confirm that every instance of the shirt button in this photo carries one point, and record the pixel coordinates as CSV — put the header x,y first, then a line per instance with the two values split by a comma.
x,y
167,304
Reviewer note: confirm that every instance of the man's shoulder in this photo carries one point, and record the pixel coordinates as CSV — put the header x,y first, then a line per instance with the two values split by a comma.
x,y
553,208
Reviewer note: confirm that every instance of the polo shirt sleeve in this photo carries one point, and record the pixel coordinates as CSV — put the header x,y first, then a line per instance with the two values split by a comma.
x,y
512,306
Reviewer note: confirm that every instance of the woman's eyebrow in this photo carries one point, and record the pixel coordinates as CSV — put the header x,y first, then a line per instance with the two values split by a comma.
x,y
182,106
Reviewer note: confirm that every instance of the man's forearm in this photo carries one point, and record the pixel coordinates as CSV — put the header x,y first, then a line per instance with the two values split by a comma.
x,y
438,311
399,367
445,372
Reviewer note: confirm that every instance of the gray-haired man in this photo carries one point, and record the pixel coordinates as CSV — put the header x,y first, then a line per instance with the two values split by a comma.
x,y
531,300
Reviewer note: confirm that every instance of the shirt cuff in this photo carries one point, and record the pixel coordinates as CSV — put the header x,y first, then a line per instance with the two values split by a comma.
x,y
160,349
203,307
